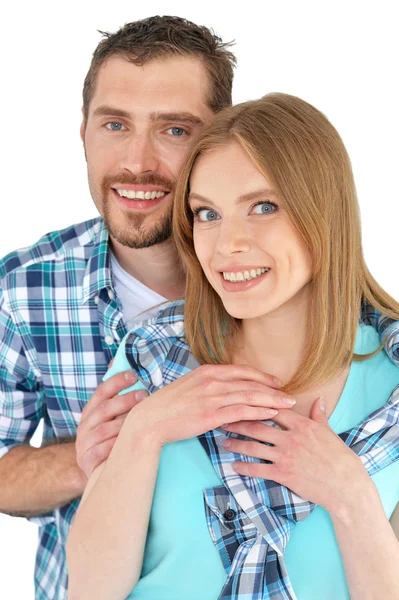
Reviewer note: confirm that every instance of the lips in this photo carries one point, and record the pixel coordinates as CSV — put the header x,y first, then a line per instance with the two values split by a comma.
x,y
139,202
240,286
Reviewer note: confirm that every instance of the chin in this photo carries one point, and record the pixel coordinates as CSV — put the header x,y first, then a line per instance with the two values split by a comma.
x,y
251,309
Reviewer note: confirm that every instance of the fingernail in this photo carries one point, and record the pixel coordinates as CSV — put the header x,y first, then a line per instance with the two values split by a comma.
x,y
288,401
322,404
141,394
277,381
227,443
130,376
271,412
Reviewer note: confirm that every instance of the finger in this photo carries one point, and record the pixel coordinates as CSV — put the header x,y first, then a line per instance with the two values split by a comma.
x,y
257,397
108,389
111,408
98,435
241,412
97,455
257,431
234,372
110,363
254,449
288,419
318,412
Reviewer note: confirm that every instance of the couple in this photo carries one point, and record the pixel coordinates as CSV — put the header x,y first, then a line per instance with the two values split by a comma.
x,y
68,301
208,478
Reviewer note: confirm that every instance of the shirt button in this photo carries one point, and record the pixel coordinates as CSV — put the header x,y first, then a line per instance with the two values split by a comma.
x,y
230,514
96,299
111,294
109,340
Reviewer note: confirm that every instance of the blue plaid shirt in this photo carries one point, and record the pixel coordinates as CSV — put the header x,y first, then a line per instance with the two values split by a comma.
x,y
252,543
60,325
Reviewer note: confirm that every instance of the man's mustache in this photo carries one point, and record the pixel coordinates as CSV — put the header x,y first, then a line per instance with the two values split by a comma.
x,y
144,179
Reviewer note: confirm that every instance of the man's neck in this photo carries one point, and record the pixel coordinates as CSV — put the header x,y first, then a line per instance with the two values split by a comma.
x,y
157,267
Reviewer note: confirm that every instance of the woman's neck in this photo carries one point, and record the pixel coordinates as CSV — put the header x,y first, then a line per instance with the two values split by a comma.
x,y
275,343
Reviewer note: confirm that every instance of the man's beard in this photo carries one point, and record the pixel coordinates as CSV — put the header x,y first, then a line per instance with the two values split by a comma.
x,y
134,233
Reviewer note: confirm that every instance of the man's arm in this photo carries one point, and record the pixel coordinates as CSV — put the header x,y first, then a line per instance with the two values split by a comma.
x,y
34,481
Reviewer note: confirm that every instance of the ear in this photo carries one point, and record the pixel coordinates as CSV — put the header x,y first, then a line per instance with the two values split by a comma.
x,y
83,127
318,412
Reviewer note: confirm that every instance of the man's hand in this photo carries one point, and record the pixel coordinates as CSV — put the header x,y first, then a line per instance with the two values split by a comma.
x,y
102,419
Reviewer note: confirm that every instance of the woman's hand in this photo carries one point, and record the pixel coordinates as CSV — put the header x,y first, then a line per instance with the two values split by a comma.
x,y
307,456
207,398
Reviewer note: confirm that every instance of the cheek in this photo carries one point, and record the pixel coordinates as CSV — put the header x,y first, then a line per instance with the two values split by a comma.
x,y
203,249
172,159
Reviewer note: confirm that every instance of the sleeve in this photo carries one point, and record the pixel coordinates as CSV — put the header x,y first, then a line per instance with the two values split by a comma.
x,y
21,393
120,364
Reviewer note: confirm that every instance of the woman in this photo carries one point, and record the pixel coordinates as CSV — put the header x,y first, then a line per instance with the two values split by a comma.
x,y
268,501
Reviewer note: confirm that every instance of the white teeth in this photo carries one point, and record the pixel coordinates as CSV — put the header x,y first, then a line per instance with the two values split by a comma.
x,y
244,275
140,195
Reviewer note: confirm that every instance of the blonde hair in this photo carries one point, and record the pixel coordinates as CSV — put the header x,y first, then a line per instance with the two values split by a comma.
x,y
304,159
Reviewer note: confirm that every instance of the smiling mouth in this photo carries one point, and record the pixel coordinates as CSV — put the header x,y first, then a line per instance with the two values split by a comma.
x,y
240,276
140,194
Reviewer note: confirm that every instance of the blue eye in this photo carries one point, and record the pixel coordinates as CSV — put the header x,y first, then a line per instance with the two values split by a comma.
x,y
264,208
177,131
205,215
114,126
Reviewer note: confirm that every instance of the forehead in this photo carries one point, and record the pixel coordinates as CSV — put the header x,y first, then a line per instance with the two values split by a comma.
x,y
166,85
227,170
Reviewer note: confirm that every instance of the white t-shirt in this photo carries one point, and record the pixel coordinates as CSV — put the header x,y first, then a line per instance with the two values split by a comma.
x,y
138,301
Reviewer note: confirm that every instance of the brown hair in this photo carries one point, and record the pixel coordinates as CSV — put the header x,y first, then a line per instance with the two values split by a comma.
x,y
301,154
160,37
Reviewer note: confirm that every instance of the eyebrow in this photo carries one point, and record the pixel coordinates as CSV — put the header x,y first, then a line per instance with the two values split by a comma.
x,y
244,198
182,117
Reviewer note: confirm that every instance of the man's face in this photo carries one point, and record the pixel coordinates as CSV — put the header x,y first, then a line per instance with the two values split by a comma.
x,y
141,124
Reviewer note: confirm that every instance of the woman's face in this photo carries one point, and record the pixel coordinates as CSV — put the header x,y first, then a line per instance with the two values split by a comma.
x,y
248,248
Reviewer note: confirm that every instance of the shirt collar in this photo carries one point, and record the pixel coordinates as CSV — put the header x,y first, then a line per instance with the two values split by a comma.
x,y
98,271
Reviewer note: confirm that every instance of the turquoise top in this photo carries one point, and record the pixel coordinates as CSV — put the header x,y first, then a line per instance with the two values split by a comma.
x,y
180,560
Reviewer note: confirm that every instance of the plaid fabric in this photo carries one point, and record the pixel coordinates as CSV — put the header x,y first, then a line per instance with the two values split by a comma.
x,y
60,325
252,543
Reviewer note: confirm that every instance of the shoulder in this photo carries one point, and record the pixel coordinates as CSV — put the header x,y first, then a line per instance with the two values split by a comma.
x,y
52,246
156,349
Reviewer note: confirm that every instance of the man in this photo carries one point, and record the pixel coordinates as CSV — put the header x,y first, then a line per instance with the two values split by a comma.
x,y
67,301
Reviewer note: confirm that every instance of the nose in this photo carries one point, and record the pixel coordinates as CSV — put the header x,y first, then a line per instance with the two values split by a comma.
x,y
233,238
140,155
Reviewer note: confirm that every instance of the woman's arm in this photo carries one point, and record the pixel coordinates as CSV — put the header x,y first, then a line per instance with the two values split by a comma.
x,y
106,544
368,546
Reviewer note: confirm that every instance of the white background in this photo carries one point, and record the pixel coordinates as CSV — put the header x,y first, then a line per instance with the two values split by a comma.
x,y
340,56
